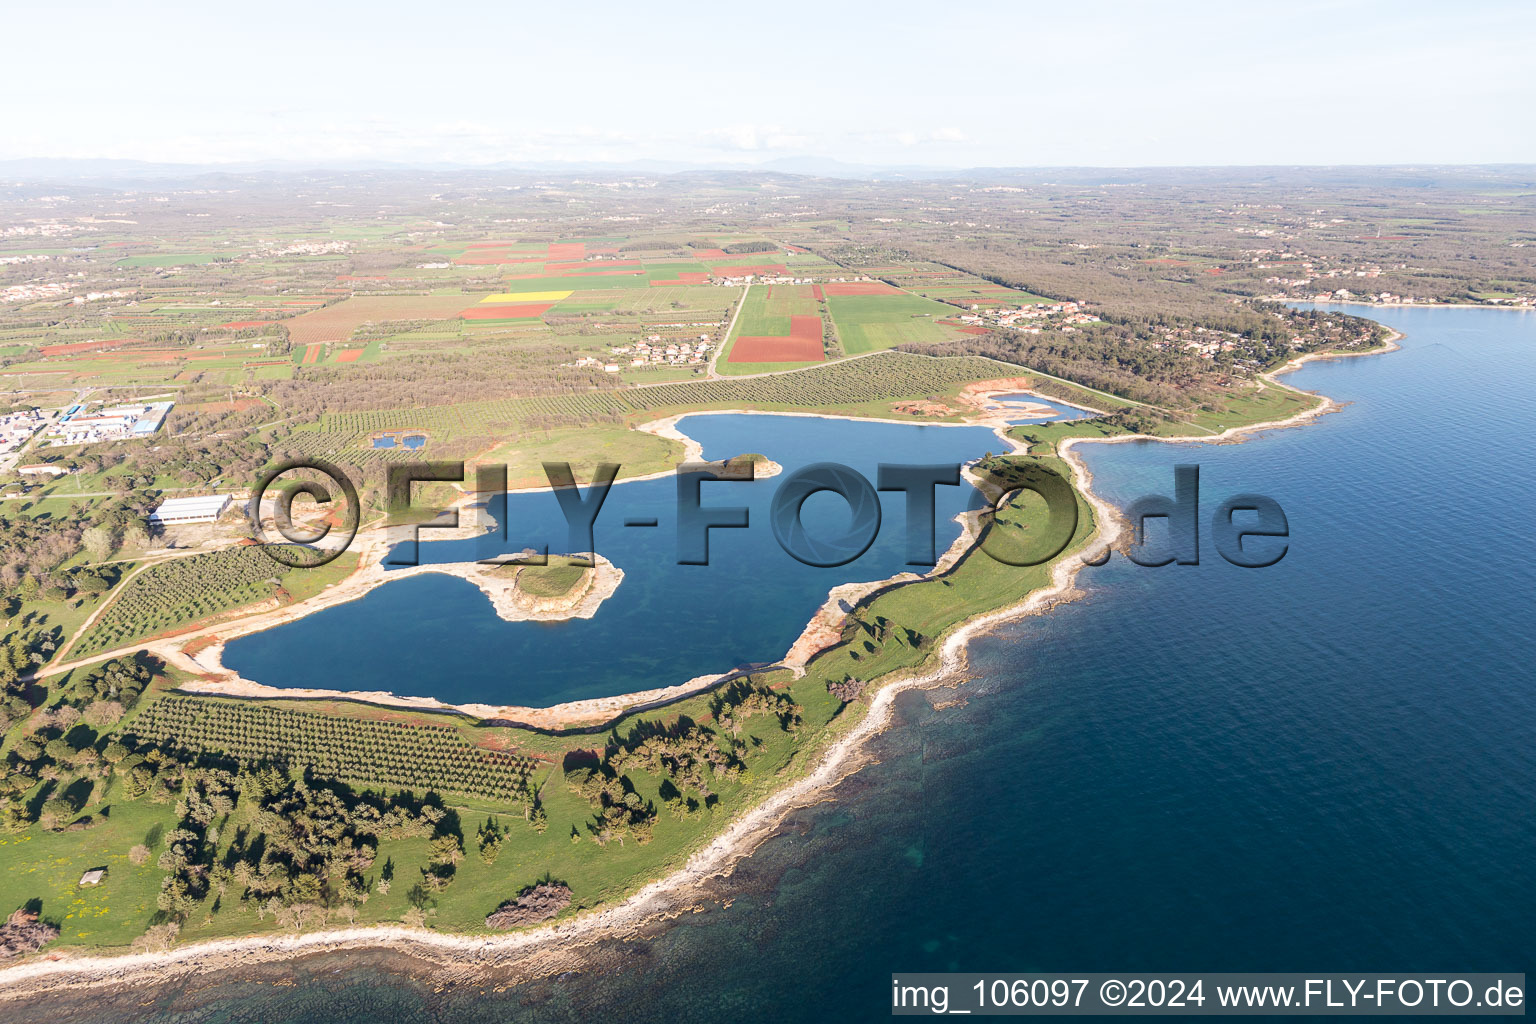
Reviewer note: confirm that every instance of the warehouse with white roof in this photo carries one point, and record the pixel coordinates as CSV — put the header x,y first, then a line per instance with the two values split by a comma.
x,y
175,511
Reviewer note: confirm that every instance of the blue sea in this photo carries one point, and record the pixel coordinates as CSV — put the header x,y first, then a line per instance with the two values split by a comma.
x,y
1325,765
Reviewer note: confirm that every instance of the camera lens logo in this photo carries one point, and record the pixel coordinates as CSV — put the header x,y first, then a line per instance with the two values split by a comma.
x,y
825,551
327,531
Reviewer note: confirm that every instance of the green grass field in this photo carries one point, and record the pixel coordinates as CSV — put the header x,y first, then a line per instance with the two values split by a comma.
x,y
1242,407
637,453
869,322
46,866
1044,438
172,259
767,308
553,580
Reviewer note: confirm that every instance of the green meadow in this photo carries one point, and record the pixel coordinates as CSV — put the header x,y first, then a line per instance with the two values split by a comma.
x,y
869,322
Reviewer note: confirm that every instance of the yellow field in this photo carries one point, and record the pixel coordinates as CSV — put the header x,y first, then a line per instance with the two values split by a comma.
x,y
510,297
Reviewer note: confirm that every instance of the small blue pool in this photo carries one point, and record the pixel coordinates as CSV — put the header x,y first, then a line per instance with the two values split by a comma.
x,y
411,441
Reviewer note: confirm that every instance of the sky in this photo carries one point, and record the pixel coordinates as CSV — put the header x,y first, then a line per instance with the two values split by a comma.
x,y
939,84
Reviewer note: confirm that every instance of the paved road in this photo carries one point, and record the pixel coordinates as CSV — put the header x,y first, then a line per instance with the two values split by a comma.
x,y
715,355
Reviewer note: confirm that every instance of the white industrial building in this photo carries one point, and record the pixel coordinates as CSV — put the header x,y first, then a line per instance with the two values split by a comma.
x,y
79,426
175,511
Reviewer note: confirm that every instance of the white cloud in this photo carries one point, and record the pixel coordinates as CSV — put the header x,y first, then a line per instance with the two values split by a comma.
x,y
755,138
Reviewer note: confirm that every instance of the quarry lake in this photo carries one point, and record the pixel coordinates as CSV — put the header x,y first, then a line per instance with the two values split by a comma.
x,y
437,636
1325,765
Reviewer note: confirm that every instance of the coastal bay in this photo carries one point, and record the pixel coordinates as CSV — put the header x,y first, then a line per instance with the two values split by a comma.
x,y
1042,672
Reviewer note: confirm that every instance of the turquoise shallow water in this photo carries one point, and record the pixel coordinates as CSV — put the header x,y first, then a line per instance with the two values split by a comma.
x,y
1325,765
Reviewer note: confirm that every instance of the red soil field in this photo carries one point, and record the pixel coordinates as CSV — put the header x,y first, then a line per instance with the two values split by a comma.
x,y
567,251
349,277
683,277
755,349
84,346
311,354
348,355
801,345
560,269
521,311
721,254
860,288
807,326
337,322
1213,270
817,293
973,330
235,325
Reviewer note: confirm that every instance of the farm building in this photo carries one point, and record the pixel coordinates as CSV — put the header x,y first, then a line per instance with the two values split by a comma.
x,y
175,511
78,426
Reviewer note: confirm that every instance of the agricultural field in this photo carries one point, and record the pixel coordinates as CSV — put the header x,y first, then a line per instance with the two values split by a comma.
x,y
387,753
219,309
339,321
131,361
780,326
868,321
858,387
944,284
171,595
